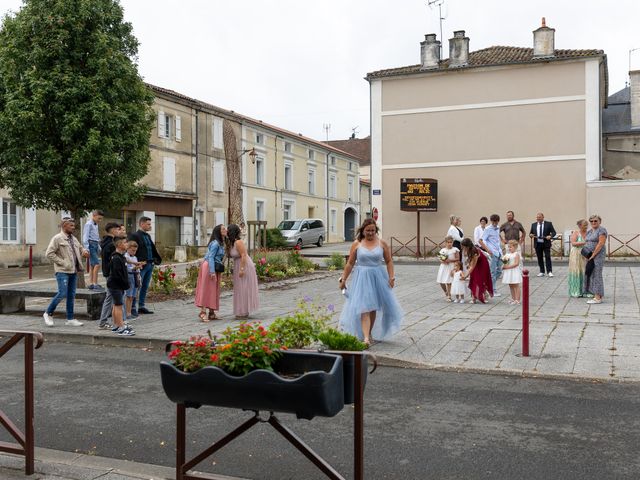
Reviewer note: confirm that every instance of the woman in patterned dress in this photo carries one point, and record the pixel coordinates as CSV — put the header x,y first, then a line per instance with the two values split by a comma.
x,y
576,260
595,243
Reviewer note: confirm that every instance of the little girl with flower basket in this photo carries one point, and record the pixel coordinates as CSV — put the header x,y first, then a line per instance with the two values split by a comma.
x,y
447,256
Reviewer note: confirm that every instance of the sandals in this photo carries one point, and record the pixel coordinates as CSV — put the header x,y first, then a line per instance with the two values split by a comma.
x,y
203,317
212,316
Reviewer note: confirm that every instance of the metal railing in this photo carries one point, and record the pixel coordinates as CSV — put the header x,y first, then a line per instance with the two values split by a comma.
x,y
26,444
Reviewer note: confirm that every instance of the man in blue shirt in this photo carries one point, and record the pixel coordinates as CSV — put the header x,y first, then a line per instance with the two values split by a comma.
x,y
490,243
91,243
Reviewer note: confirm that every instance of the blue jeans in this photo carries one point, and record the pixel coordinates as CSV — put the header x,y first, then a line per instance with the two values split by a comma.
x,y
66,289
145,277
496,269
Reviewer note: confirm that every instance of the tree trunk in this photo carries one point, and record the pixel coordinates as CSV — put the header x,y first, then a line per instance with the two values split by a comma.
x,y
76,233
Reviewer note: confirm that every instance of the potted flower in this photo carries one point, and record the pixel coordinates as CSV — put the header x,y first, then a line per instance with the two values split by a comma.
x,y
347,345
246,368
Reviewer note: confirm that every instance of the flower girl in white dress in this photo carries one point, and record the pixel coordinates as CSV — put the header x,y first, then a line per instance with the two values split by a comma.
x,y
511,272
457,285
447,256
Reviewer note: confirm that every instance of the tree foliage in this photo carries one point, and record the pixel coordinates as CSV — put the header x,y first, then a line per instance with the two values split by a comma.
x,y
75,115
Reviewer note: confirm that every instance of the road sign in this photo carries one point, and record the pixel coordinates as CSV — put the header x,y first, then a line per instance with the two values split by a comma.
x,y
374,214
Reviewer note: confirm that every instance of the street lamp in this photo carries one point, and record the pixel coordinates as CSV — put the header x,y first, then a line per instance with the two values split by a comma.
x,y
252,157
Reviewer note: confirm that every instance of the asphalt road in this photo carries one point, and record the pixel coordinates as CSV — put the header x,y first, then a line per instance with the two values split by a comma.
x,y
419,424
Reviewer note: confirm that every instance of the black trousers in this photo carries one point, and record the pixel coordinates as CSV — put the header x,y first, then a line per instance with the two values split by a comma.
x,y
540,250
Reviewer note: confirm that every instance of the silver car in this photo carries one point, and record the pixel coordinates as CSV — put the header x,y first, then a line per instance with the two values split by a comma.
x,y
308,231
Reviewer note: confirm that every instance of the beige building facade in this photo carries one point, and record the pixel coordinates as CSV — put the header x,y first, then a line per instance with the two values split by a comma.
x,y
503,128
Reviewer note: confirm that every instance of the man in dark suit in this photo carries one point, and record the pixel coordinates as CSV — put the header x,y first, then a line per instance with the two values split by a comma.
x,y
543,232
146,253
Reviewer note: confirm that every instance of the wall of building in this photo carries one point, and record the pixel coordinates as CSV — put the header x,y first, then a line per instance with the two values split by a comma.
x,y
620,151
615,201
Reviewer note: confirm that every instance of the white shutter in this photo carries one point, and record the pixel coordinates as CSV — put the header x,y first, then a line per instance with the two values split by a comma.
x,y
178,128
218,176
217,133
169,174
219,218
161,124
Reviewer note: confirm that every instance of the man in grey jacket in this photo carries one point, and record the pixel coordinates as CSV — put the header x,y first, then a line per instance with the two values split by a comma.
x,y
65,252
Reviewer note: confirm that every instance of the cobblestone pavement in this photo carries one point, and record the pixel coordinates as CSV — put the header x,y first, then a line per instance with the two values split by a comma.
x,y
568,337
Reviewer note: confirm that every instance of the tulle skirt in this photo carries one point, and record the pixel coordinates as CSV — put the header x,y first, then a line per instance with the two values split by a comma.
x,y
369,291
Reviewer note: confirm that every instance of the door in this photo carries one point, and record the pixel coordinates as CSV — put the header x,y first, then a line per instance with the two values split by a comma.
x,y
349,224
304,233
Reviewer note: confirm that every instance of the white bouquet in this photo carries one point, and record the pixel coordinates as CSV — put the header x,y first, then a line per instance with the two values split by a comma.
x,y
443,255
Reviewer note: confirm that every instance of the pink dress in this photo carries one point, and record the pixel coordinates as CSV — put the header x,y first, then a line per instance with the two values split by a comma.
x,y
245,289
207,289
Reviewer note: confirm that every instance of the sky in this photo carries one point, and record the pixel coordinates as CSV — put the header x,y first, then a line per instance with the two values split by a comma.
x,y
300,64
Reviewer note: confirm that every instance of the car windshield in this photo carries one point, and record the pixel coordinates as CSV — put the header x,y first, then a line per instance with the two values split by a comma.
x,y
289,225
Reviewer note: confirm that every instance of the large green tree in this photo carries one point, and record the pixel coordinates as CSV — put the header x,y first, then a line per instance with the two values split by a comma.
x,y
75,115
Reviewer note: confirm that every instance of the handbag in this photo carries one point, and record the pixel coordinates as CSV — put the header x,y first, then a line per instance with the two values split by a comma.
x,y
137,280
585,252
218,266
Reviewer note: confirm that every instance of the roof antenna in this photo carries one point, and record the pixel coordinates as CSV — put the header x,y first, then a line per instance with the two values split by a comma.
x,y
438,3
354,132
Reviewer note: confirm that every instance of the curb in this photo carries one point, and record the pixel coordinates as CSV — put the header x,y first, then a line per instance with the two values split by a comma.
x,y
396,363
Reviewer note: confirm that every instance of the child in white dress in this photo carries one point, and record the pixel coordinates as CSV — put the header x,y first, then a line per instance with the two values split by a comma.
x,y
457,285
447,256
511,272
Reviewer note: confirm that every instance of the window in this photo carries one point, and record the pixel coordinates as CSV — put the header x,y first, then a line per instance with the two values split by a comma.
x,y
220,218
9,223
259,138
317,224
169,174
288,176
178,129
332,161
312,155
287,210
287,147
259,171
350,165
164,125
217,175
332,186
217,133
334,220
312,181
259,210
350,189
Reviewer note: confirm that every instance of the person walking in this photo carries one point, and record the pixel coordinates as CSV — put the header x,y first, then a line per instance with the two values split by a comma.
x,y
595,244
543,232
91,243
211,269
370,294
577,262
245,279
146,253
478,272
455,231
65,252
107,246
490,243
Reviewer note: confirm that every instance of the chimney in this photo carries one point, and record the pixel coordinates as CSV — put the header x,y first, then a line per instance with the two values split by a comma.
x,y
430,52
634,98
458,50
543,41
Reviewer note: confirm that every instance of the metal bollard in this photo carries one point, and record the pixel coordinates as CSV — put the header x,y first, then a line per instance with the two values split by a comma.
x,y
525,313
30,262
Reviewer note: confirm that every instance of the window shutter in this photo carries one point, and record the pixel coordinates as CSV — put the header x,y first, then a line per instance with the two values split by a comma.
x,y
218,176
161,123
169,174
217,133
178,128
219,218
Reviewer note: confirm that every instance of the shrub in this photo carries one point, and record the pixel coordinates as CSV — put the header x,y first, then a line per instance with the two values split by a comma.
x,y
274,239
163,278
191,280
336,260
301,328
336,340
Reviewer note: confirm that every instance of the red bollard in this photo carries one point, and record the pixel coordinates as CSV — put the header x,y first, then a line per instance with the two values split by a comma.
x,y
30,262
525,313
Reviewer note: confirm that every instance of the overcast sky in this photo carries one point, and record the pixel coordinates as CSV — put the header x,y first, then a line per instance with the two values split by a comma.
x,y
299,64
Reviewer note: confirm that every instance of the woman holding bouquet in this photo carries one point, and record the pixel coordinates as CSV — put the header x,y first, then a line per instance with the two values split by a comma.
x,y
448,256
478,272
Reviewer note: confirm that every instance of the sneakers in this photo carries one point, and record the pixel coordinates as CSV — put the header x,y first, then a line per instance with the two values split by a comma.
x,y
48,319
73,323
540,275
497,294
455,300
105,326
550,274
125,331
461,300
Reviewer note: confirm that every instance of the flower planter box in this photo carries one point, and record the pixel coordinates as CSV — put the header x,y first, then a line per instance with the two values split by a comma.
x,y
317,389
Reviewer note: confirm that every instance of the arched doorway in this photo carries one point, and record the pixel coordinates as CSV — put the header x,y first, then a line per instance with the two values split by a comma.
x,y
349,224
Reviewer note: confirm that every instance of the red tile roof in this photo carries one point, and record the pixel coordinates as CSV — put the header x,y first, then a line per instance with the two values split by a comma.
x,y
497,55
359,147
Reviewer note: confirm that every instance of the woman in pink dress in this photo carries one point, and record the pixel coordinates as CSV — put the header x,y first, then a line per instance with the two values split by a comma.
x,y
208,287
478,271
245,280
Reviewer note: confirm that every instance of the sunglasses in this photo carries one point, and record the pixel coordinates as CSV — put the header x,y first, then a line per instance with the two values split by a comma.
x,y
594,221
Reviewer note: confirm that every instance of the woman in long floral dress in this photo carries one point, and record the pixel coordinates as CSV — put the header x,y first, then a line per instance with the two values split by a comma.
x,y
576,260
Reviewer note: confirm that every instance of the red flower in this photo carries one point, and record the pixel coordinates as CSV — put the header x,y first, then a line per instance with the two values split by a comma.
x,y
214,357
174,353
263,333
173,275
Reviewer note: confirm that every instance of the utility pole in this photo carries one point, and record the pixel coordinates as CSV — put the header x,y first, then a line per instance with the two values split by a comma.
x,y
326,127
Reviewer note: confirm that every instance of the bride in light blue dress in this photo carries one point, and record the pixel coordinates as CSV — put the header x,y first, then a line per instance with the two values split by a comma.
x,y
369,296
